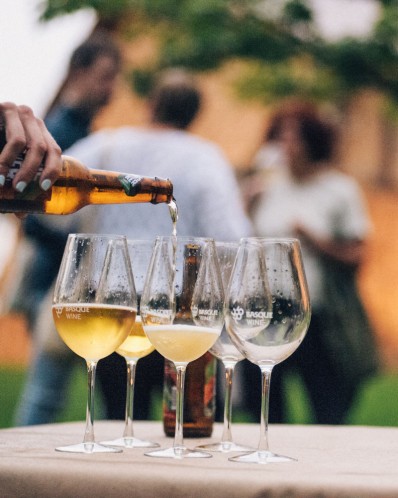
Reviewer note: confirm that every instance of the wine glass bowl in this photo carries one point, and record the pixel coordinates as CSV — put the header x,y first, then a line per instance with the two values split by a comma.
x,y
94,308
267,315
182,311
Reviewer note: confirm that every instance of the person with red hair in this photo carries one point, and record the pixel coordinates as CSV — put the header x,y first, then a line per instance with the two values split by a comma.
x,y
323,207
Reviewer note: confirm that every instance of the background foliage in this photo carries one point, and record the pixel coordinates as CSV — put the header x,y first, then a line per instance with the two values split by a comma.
x,y
277,43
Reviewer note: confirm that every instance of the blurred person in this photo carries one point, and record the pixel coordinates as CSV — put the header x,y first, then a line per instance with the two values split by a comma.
x,y
323,207
207,195
87,88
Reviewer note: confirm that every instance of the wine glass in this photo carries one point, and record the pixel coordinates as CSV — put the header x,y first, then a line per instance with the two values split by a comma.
x,y
267,314
136,346
94,308
182,313
225,350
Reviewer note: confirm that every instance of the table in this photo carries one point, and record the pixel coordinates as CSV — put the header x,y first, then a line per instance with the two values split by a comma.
x,y
333,462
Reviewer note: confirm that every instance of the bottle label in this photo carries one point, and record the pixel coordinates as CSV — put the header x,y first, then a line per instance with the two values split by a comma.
x,y
32,192
16,166
209,389
131,184
169,387
200,385
173,405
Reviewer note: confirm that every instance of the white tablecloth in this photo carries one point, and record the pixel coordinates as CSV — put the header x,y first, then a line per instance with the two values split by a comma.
x,y
349,462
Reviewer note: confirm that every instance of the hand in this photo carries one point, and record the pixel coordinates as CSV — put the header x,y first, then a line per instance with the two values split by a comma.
x,y
346,251
24,132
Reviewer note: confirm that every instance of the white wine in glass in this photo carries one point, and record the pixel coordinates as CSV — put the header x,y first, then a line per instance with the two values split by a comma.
x,y
268,313
92,331
181,343
135,346
182,314
94,309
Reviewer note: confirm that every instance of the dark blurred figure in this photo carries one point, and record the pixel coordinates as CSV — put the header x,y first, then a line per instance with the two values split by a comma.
x,y
312,200
88,87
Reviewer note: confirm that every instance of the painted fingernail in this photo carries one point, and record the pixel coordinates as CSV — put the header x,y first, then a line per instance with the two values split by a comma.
x,y
45,184
2,180
21,186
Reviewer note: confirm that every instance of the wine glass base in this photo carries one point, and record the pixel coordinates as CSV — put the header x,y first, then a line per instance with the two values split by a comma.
x,y
225,447
178,453
130,442
261,457
88,448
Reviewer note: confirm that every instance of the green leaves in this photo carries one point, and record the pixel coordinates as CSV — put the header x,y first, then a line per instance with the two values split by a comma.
x,y
299,77
278,36
104,8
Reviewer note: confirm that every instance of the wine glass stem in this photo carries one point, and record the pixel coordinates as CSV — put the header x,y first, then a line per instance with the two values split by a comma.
x,y
128,428
265,387
227,435
178,437
89,432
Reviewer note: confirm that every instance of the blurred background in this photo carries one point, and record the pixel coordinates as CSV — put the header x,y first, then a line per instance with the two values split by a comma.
x,y
249,55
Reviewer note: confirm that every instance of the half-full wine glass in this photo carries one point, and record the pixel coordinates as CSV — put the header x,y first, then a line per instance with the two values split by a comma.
x,y
182,313
225,350
137,344
268,313
94,309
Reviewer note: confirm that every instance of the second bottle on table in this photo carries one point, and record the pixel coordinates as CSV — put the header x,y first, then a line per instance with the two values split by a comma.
x,y
200,380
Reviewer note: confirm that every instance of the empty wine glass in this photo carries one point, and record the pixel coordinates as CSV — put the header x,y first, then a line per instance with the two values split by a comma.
x,y
136,346
225,350
268,313
182,313
94,308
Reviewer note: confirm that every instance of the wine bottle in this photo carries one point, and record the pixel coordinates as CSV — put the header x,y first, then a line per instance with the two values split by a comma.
x,y
199,395
77,186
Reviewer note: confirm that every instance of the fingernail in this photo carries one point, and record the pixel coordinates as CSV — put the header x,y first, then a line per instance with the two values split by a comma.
x,y
2,180
21,186
45,184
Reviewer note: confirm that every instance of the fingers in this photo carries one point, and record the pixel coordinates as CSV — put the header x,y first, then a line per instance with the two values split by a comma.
x,y
15,138
52,160
27,133
35,149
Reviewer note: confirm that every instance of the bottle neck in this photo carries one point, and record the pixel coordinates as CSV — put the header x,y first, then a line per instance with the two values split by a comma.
x,y
192,256
117,187
135,188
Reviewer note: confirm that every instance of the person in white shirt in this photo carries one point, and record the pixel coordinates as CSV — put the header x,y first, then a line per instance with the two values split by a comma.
x,y
209,204
323,207
205,187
